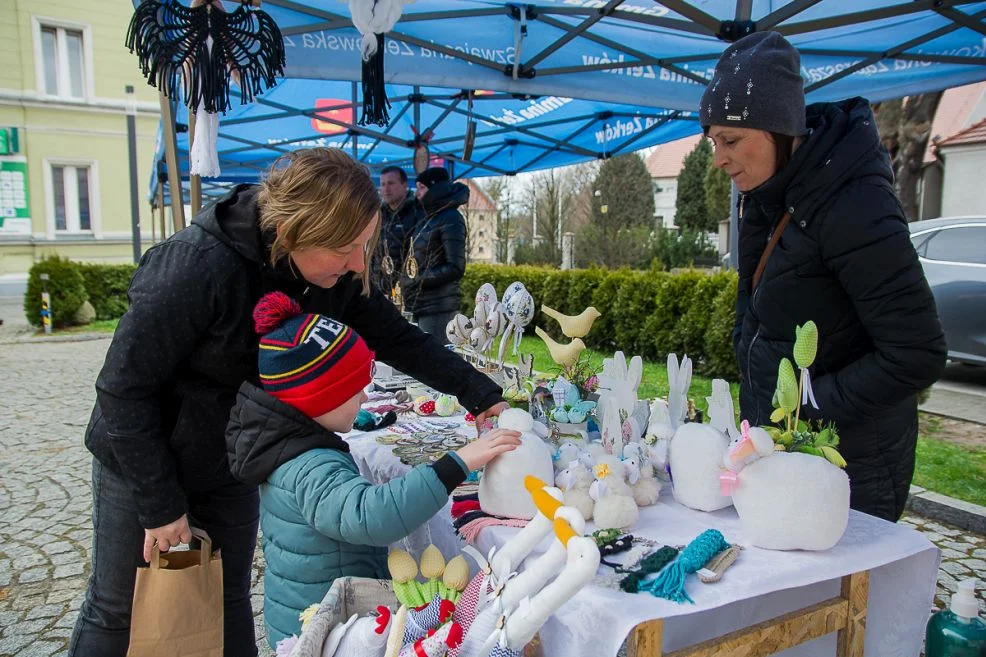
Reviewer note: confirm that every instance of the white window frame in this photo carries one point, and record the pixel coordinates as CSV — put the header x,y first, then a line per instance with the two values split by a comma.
x,y
72,222
62,67
939,229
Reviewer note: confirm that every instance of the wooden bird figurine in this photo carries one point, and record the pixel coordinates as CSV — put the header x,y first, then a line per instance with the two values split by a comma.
x,y
563,354
574,326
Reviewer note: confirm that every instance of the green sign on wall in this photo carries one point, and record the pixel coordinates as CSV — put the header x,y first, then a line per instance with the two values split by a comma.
x,y
15,200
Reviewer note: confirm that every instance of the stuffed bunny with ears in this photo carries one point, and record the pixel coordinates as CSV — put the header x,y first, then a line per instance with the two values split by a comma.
x,y
619,382
696,451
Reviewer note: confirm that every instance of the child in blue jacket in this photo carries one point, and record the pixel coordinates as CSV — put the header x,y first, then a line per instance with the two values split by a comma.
x,y
320,519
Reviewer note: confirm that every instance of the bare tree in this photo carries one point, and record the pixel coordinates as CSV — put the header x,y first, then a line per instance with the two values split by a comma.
x,y
905,127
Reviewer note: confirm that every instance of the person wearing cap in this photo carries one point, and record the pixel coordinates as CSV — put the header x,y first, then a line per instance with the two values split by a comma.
x,y
187,342
319,518
823,237
436,253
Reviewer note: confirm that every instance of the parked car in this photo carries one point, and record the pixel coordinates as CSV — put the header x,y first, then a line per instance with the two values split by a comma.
x,y
952,251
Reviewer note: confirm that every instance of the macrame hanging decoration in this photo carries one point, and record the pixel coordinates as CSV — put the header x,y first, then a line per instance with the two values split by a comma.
x,y
199,50
470,137
374,18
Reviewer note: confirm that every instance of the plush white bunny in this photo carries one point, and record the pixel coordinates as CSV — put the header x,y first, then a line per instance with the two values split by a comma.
x,y
574,482
785,500
615,506
504,476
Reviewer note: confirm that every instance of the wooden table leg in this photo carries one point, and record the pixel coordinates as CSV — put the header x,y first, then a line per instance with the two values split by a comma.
x,y
855,589
646,639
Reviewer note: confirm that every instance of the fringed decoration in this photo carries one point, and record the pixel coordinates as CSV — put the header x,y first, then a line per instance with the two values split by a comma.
x,y
375,101
670,584
373,19
172,44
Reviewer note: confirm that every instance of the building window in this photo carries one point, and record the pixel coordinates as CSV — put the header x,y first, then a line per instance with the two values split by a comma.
x,y
70,197
63,56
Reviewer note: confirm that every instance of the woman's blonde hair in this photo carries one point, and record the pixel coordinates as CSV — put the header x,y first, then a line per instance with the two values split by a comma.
x,y
318,198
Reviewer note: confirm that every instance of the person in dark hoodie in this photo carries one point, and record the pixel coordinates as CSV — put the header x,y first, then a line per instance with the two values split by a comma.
x,y
823,237
187,342
436,253
319,518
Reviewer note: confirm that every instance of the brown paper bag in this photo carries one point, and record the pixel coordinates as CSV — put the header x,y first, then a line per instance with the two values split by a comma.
x,y
178,604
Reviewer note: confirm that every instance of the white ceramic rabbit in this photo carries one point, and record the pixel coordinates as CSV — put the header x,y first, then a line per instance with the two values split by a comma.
x,y
620,381
679,381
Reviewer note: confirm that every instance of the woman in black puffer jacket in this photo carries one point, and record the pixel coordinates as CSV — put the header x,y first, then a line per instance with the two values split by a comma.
x,y
819,181
438,243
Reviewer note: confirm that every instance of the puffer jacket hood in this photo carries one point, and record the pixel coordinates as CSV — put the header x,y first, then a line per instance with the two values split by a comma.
x,y
265,433
446,194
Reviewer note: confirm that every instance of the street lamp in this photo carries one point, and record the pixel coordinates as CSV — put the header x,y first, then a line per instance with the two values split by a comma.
x,y
132,151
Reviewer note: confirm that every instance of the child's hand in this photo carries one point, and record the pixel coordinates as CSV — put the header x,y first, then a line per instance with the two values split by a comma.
x,y
487,447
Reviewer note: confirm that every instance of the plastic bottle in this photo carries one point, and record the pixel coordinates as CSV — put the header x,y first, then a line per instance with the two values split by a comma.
x,y
957,631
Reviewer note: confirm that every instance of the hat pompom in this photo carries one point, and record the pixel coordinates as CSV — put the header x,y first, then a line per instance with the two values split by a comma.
x,y
273,310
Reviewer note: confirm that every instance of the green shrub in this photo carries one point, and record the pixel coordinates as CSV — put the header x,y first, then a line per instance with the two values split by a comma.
x,y
646,313
107,287
720,358
65,285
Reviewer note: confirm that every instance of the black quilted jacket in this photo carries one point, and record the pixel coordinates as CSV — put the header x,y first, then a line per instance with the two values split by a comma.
x,y
187,343
440,249
846,262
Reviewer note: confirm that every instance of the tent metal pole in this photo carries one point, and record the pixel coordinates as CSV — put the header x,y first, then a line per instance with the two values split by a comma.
x,y
609,43
360,129
744,10
924,38
657,21
963,19
572,33
937,59
171,158
643,133
352,135
481,163
417,110
789,10
386,131
195,181
868,15
160,208
692,13
548,151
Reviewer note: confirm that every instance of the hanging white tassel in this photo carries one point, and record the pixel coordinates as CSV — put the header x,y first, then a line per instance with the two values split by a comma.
x,y
203,159
373,17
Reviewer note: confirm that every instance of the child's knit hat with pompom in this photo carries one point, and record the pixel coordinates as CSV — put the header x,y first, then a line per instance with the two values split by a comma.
x,y
308,361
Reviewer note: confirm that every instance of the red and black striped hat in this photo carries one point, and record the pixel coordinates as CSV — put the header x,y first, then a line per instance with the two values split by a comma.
x,y
308,361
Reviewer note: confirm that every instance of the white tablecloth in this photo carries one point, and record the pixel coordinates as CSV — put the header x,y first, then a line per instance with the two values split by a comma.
x,y
762,584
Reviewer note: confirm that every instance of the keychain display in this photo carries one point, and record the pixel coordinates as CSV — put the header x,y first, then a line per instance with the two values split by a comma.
x,y
418,448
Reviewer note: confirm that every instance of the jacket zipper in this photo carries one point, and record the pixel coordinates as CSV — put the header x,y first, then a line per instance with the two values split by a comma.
x,y
753,299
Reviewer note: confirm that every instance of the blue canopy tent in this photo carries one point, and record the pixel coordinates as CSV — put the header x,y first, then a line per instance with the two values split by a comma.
x,y
637,68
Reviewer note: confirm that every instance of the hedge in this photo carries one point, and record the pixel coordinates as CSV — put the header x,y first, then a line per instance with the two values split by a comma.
x,y
72,283
646,313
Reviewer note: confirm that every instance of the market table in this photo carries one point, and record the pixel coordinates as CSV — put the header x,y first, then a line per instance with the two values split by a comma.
x,y
877,583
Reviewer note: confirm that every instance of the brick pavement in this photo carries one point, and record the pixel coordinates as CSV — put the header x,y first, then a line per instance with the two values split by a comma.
x,y
46,392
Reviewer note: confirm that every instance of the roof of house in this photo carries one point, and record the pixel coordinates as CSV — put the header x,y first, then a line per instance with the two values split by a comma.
x,y
955,113
478,199
667,159
974,134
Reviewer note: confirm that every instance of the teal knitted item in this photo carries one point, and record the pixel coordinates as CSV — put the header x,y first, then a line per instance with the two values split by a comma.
x,y
670,584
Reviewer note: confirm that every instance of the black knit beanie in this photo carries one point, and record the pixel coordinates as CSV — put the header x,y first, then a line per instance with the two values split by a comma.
x,y
429,177
757,84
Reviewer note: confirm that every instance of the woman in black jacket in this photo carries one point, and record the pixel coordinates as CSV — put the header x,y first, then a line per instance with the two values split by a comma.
x,y
819,183
185,345
436,252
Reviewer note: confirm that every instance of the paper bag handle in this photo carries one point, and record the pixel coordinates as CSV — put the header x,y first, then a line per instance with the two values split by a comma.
x,y
205,551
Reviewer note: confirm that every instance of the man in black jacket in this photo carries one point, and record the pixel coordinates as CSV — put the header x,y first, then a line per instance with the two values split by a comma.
x,y
438,248
399,214
187,343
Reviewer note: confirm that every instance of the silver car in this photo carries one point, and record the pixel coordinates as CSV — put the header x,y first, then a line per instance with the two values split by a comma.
x,y
952,251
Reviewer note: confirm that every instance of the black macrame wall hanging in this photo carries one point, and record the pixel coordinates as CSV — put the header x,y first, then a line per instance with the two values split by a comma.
x,y
199,50
374,18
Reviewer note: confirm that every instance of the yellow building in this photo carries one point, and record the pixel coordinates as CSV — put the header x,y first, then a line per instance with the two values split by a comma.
x,y
480,216
64,159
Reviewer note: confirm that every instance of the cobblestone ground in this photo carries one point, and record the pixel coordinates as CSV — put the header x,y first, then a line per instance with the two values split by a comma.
x,y
46,392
